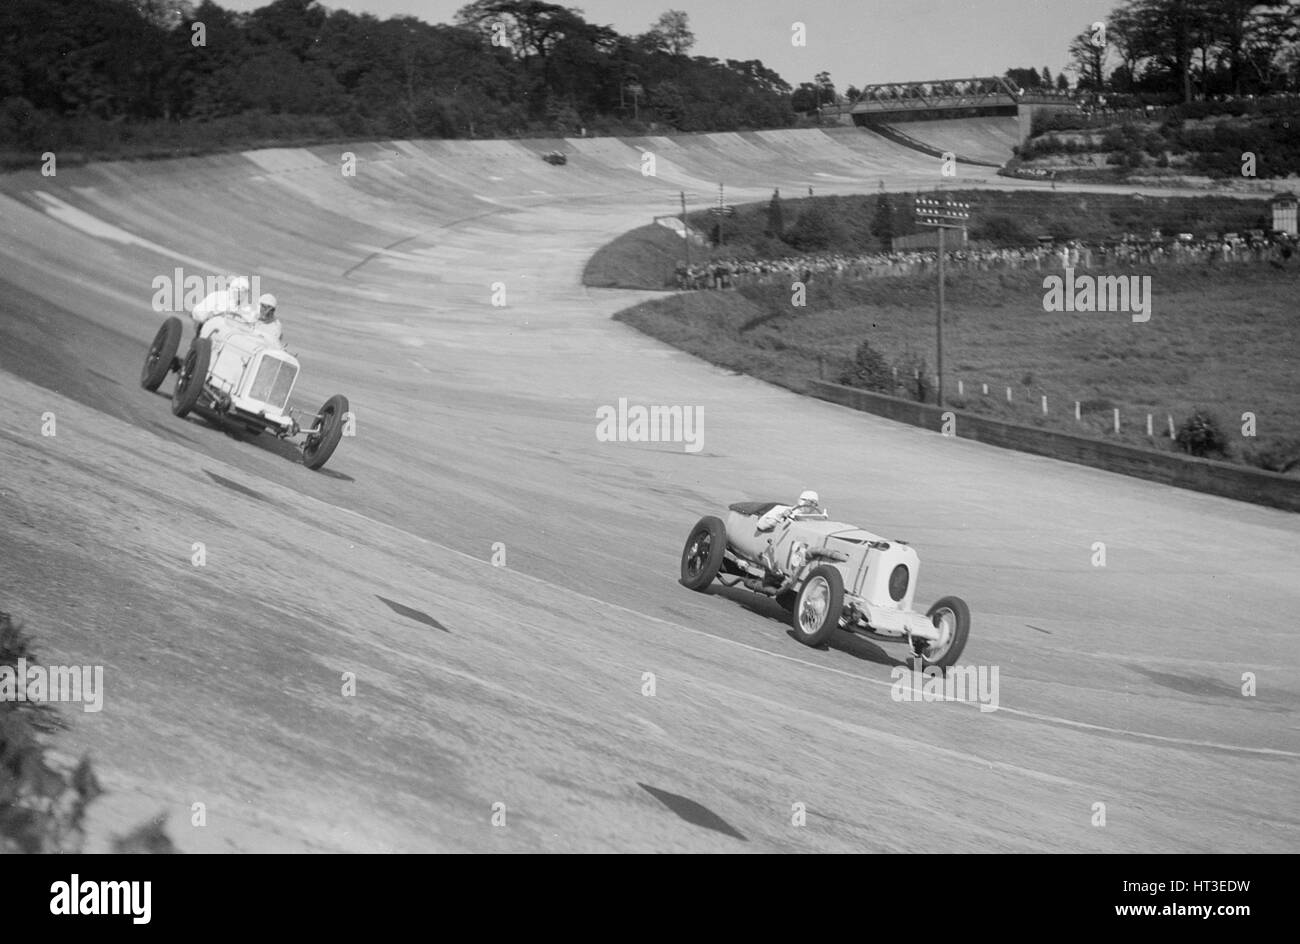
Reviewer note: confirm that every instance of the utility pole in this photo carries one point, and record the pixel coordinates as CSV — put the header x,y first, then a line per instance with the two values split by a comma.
x,y
721,240
941,216
686,231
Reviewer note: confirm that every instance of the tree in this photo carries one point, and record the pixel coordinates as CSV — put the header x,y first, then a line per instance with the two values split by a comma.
x,y
825,89
775,217
1047,78
882,224
1025,78
1088,60
672,33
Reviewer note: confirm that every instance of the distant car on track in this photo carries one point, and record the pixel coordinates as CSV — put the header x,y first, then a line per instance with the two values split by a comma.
x,y
557,158
242,378
828,574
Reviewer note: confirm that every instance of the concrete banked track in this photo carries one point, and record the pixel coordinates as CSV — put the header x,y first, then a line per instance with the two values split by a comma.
x,y
523,685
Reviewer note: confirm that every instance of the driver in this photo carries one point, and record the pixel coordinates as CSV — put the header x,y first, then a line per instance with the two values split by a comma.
x,y
808,506
234,299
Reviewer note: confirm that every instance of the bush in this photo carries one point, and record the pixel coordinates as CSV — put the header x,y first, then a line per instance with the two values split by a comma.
x,y
870,371
43,805
1274,455
1201,435
816,229
914,375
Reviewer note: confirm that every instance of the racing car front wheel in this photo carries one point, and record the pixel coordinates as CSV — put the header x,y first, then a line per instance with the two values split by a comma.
x,y
702,556
158,361
951,617
818,605
321,444
193,375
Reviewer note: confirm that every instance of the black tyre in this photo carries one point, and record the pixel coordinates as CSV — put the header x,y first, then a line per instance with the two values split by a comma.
x,y
703,554
158,362
193,375
320,445
818,606
951,614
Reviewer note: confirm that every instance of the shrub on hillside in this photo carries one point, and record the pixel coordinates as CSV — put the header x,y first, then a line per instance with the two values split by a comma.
x,y
43,804
870,371
816,229
1201,435
1274,455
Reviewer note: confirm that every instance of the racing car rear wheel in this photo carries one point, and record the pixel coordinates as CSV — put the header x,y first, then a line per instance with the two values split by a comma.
x,y
158,362
818,606
193,375
321,444
702,556
952,617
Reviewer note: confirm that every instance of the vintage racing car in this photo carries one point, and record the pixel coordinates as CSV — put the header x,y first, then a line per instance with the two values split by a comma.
x,y
242,378
829,575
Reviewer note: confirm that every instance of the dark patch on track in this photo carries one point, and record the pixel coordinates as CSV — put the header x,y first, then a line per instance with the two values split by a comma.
x,y
418,615
1040,629
1199,686
235,486
694,813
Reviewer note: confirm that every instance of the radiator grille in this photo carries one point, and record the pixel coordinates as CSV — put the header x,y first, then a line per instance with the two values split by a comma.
x,y
273,382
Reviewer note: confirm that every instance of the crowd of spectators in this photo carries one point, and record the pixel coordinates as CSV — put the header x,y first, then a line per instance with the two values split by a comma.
x,y
1183,250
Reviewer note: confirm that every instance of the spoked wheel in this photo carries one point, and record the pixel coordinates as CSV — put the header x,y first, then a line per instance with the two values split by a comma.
x,y
321,444
193,375
703,554
158,362
951,617
818,606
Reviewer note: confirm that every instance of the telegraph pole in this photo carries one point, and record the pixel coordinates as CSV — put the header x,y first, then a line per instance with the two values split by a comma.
x,y
941,216
686,231
721,240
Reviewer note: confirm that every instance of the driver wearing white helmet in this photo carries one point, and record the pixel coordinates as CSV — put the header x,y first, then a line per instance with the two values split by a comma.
x,y
234,300
808,506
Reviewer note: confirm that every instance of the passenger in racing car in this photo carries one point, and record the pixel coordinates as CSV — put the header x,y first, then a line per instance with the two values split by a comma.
x,y
268,326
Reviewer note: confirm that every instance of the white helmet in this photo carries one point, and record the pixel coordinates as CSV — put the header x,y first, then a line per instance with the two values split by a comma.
x,y
266,307
809,498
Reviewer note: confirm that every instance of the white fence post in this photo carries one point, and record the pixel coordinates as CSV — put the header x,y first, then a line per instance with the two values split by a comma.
x,y
1044,404
1077,416
1117,419
1008,394
960,389
1171,425
1149,425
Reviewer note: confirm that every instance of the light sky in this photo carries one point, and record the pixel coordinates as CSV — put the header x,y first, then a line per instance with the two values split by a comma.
x,y
860,42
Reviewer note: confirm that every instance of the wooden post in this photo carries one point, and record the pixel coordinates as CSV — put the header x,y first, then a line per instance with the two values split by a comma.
x,y
1077,415
1116,419
1044,404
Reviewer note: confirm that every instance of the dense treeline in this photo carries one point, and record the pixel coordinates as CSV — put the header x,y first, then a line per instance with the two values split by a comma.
x,y
1185,50
93,73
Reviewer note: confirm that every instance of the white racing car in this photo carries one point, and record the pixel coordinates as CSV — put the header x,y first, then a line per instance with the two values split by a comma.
x,y
829,575
239,376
